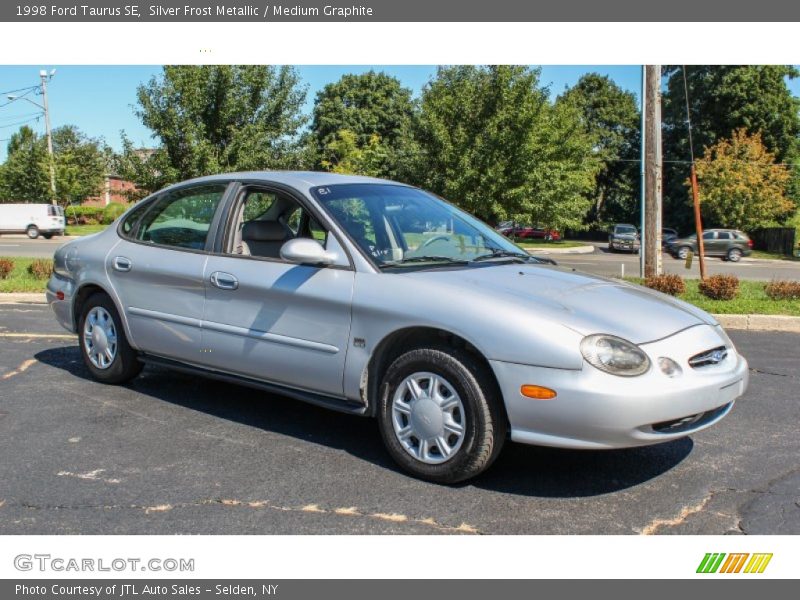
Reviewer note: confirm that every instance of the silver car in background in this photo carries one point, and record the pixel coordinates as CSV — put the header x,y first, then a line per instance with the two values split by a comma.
x,y
379,299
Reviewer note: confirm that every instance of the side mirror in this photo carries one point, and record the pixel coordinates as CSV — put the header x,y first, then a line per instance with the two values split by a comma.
x,y
305,251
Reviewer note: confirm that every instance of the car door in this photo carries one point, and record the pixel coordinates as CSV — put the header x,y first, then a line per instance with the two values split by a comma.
x,y
271,320
710,243
157,270
724,242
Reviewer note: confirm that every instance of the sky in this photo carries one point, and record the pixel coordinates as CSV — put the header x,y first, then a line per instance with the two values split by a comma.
x,y
100,99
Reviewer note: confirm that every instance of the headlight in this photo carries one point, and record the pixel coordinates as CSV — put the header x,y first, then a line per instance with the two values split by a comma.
x,y
614,355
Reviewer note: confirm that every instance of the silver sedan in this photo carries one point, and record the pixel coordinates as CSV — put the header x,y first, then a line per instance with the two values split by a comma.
x,y
379,299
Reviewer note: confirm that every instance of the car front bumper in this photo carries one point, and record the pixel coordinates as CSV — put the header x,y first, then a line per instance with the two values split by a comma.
x,y
594,409
624,245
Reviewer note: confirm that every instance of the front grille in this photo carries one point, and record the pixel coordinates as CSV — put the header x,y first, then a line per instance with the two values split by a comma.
x,y
709,357
690,422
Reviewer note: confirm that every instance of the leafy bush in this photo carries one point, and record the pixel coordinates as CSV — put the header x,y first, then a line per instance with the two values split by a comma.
x,y
667,283
6,266
720,287
112,211
41,268
783,290
83,215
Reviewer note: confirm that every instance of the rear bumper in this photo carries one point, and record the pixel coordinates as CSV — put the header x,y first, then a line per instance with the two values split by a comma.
x,y
596,410
60,292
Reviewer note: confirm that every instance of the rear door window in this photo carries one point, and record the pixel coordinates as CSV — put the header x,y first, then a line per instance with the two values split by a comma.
x,y
182,218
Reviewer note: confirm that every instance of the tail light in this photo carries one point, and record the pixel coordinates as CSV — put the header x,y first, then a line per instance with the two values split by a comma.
x,y
750,243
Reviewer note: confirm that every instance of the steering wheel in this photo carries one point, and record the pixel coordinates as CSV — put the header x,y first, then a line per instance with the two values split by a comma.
x,y
435,238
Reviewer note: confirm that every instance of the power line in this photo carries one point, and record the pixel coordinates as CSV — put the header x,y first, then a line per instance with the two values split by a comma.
x,y
16,97
21,116
20,122
29,89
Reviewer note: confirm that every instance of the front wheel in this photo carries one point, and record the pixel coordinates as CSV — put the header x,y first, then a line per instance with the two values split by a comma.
x,y
104,347
32,231
440,414
683,252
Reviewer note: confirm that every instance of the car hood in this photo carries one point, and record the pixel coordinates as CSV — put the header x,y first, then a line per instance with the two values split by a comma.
x,y
584,303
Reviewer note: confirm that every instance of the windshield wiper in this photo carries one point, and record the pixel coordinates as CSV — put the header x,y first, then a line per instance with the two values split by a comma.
x,y
422,259
497,253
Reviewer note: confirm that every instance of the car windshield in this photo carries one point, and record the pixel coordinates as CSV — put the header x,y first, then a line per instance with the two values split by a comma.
x,y
626,230
397,225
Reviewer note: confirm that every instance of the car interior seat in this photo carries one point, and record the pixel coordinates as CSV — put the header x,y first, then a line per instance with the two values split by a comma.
x,y
264,238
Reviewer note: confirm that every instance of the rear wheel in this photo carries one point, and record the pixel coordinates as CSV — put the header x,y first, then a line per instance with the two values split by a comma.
x,y
440,415
734,255
683,252
32,231
104,347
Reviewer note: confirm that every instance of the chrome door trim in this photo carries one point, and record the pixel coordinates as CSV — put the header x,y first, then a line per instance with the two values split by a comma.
x,y
265,336
162,316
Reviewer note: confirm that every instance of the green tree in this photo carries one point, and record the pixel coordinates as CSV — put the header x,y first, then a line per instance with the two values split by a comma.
x,y
493,143
149,169
610,116
740,184
374,112
24,177
345,155
217,118
721,100
80,163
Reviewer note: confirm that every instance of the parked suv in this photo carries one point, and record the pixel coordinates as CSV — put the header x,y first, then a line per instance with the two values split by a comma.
x,y
623,237
730,244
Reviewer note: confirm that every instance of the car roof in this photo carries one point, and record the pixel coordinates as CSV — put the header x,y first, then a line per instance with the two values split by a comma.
x,y
301,180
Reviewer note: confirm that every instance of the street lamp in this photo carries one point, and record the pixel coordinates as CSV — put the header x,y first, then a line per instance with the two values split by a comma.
x,y
45,77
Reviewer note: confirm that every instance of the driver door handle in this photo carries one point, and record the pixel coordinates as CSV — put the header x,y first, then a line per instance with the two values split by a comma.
x,y
224,281
122,263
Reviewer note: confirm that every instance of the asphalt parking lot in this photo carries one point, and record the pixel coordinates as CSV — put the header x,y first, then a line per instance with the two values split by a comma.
x,y
171,453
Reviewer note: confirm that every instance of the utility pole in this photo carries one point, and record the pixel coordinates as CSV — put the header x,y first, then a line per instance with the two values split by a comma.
x,y
642,172
651,237
45,77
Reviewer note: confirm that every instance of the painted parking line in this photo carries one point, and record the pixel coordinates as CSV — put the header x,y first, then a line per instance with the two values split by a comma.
x,y
20,369
59,336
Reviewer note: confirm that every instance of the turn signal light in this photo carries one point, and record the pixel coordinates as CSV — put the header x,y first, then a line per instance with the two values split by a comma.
x,y
537,392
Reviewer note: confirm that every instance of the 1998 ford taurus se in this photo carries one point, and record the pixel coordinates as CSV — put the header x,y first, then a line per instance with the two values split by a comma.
x,y
380,299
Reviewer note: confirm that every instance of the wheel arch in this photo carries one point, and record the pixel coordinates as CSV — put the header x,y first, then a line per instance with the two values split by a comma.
x,y
84,292
402,340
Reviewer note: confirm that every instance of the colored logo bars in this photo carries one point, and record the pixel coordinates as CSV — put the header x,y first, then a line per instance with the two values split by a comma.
x,y
713,563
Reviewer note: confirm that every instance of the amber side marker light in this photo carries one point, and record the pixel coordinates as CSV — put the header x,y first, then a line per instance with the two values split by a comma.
x,y
537,392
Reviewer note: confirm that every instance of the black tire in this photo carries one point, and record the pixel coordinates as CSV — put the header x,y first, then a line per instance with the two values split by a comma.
x,y
32,232
734,255
682,252
484,418
47,236
126,364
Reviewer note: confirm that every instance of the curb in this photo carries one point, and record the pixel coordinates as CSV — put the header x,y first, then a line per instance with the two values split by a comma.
x,y
22,298
587,249
784,323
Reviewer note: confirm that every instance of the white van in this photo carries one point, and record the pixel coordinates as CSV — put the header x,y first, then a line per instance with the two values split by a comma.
x,y
32,219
